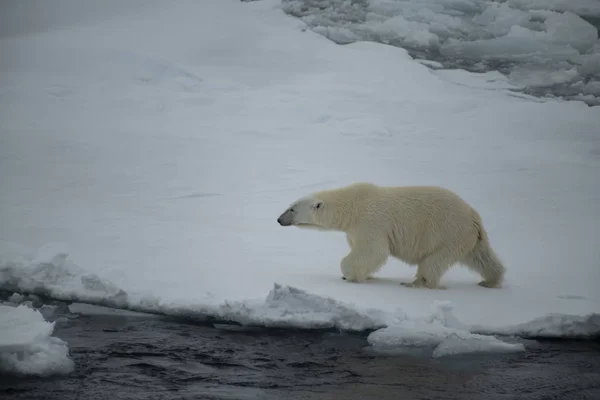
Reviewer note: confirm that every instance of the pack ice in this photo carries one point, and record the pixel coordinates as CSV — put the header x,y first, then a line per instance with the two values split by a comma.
x,y
543,47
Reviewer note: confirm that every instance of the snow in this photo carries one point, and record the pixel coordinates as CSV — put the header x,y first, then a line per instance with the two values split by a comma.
x,y
147,149
541,46
438,339
582,7
27,345
440,334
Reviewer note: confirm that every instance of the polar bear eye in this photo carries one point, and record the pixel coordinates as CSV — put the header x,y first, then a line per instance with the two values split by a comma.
x,y
291,209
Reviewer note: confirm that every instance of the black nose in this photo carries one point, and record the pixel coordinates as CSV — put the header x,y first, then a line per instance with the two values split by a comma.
x,y
279,221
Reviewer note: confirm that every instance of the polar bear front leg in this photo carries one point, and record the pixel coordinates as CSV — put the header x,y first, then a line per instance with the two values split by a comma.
x,y
349,241
365,258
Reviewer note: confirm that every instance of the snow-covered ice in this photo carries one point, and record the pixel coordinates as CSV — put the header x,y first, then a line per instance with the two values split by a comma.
x,y
440,334
146,151
542,47
27,345
437,339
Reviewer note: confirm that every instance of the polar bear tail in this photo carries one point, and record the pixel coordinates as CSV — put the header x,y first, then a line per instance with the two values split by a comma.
x,y
483,260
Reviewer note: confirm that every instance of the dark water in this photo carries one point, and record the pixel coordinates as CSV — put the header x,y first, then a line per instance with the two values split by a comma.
x,y
132,357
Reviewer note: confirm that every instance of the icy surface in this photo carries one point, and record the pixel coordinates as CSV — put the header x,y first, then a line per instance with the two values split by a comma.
x,y
290,307
52,275
27,345
440,334
147,150
437,339
553,326
543,47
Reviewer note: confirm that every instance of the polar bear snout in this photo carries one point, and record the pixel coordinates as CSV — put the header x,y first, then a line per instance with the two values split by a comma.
x,y
285,219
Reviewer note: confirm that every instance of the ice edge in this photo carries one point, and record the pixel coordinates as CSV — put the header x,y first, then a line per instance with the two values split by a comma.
x,y
283,307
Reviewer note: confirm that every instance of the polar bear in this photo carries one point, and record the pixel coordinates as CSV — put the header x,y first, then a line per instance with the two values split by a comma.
x,y
427,226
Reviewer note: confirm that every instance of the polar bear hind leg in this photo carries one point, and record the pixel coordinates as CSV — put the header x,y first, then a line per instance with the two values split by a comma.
x,y
484,261
431,269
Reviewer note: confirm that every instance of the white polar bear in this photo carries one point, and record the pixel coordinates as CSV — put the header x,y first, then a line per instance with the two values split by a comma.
x,y
431,227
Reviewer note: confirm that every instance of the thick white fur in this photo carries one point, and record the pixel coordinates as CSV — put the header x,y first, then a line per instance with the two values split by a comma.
x,y
430,227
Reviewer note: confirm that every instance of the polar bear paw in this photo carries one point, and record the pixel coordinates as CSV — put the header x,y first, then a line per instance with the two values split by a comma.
x,y
357,280
489,284
421,283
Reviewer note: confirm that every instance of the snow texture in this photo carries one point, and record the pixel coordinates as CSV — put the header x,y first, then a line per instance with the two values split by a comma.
x,y
27,345
148,147
438,339
543,47
440,333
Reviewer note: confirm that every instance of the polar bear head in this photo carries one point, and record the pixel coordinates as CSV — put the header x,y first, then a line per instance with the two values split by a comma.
x,y
303,213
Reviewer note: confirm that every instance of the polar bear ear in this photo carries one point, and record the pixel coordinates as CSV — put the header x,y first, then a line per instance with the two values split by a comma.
x,y
318,204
